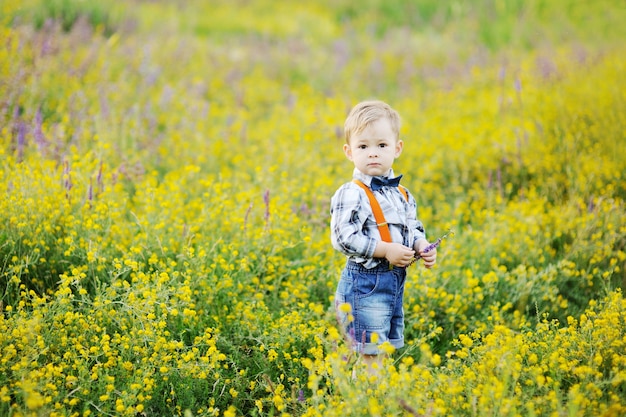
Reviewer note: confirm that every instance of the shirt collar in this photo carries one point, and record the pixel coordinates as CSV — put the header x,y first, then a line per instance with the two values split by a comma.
x,y
367,179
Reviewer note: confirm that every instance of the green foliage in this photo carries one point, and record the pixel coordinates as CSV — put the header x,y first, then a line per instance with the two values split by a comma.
x,y
496,25
67,13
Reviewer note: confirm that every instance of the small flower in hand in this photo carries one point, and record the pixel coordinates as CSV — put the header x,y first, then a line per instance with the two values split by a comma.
x,y
430,247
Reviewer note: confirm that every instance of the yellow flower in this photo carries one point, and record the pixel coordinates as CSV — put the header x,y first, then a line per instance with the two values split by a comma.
x,y
435,360
230,412
465,340
387,347
345,308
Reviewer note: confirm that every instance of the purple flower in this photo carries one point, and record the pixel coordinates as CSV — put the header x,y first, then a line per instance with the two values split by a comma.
x,y
432,246
266,200
99,177
67,178
90,191
245,219
21,140
40,138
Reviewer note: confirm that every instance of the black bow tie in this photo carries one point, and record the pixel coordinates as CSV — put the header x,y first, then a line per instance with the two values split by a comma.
x,y
378,183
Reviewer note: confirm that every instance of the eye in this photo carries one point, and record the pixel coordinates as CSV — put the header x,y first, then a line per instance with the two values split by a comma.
x,y
382,145
362,146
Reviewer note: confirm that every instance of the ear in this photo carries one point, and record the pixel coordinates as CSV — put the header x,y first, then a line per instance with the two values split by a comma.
x,y
399,146
348,151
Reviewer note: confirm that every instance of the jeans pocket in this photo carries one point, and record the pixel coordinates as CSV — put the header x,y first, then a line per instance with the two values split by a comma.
x,y
366,284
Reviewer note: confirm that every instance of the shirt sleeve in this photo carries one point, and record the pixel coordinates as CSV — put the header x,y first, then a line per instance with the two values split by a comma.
x,y
416,228
348,216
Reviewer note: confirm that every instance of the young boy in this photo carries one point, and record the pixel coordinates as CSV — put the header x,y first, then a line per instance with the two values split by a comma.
x,y
372,282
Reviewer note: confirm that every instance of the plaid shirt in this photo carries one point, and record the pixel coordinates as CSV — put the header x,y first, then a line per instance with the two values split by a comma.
x,y
353,229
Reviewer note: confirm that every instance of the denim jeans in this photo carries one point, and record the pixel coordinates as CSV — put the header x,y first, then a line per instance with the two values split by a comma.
x,y
375,297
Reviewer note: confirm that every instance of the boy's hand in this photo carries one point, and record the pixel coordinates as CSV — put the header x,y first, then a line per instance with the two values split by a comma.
x,y
396,253
430,257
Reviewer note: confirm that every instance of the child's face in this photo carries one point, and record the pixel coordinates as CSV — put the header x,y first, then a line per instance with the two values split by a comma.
x,y
374,149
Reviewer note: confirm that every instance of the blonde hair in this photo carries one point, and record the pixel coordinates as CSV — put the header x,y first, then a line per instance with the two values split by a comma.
x,y
367,112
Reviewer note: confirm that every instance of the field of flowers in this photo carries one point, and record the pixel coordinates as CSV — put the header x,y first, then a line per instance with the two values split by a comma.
x,y
165,179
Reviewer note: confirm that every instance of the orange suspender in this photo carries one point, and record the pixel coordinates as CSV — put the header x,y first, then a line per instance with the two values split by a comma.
x,y
383,227
404,193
